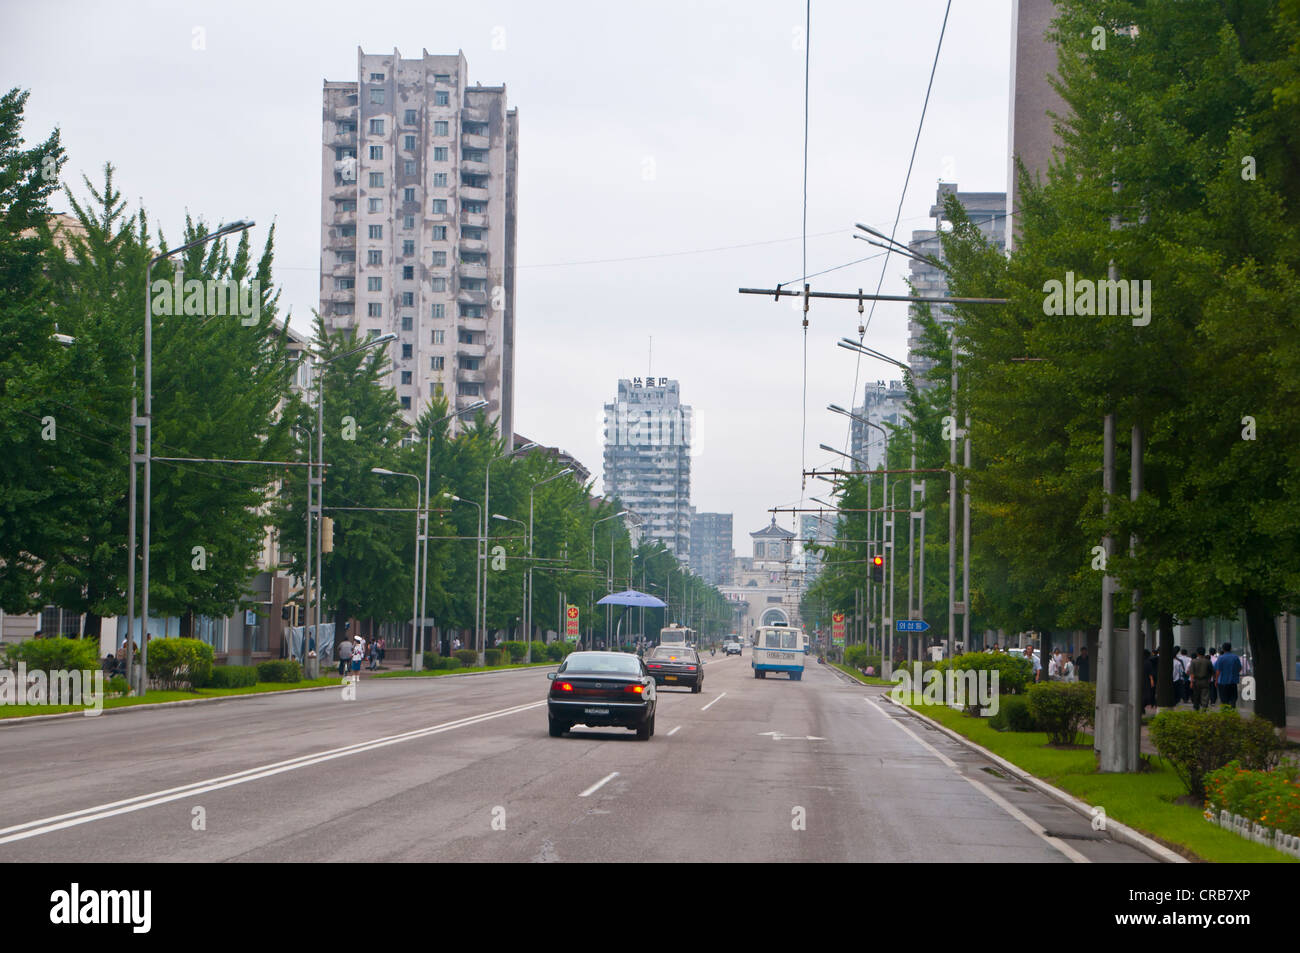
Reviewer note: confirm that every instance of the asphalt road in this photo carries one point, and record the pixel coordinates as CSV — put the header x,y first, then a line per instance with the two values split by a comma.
x,y
462,769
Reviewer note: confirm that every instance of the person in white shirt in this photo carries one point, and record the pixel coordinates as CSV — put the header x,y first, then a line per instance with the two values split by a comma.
x,y
1182,670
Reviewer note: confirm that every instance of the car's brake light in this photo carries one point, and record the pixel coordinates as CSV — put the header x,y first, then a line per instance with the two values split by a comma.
x,y
635,689
562,686
690,668
653,665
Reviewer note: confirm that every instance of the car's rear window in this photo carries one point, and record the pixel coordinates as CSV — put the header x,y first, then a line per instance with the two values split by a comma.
x,y
675,652
610,663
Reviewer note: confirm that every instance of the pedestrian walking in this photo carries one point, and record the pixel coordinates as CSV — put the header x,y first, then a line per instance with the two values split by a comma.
x,y
358,653
345,657
1227,674
1148,680
1202,677
1213,656
1083,666
1182,674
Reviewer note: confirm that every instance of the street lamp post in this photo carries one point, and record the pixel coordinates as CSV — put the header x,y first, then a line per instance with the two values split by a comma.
x,y
524,606
487,493
319,481
415,574
418,646
610,573
478,562
147,423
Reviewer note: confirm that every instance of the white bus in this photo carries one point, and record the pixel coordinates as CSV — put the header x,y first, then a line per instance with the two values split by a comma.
x,y
677,635
778,648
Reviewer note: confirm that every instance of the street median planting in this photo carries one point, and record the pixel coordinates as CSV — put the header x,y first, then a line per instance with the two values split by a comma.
x,y
178,663
1062,709
283,671
1198,743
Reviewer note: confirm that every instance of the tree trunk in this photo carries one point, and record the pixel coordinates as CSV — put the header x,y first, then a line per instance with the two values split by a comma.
x,y
1270,690
1165,670
1092,640
91,629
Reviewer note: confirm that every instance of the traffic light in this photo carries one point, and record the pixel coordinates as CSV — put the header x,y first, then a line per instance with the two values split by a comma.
x,y
327,534
877,568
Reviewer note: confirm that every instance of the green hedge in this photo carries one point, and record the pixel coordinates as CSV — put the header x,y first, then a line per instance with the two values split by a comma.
x,y
434,662
117,685
468,657
556,651
515,650
1270,798
493,656
539,652
1014,715
279,670
861,657
1013,673
1198,743
179,663
231,676
1062,709
54,655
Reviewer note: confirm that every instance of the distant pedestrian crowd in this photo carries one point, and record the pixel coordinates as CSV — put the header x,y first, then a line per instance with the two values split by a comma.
x,y
353,654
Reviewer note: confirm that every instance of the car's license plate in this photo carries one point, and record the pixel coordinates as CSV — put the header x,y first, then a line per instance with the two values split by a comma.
x,y
595,711
670,678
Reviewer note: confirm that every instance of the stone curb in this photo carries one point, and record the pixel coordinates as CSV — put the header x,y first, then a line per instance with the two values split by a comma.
x,y
1120,832
149,706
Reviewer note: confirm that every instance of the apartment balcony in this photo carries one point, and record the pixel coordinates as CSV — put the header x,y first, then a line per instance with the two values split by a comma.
x,y
465,400
473,244
344,218
467,296
475,141
470,350
474,219
474,168
473,270
470,193
471,377
474,114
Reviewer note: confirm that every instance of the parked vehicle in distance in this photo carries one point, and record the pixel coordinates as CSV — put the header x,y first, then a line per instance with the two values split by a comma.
x,y
731,648
778,648
676,665
602,689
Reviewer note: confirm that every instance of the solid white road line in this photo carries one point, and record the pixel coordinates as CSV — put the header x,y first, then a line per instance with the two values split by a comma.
x,y
992,795
140,802
674,731
599,784
714,702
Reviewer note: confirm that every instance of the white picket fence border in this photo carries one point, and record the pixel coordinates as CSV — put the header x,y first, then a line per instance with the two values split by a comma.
x,y
1244,827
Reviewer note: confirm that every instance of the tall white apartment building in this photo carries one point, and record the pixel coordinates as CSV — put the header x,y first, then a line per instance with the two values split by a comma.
x,y
418,198
884,403
648,459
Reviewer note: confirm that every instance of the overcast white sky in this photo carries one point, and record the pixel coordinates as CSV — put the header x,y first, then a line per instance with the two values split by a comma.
x,y
711,93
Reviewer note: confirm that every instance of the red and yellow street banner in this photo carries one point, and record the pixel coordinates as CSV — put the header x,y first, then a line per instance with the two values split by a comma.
x,y
837,628
571,623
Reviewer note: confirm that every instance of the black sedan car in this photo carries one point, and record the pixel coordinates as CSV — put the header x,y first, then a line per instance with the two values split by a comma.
x,y
602,689
676,665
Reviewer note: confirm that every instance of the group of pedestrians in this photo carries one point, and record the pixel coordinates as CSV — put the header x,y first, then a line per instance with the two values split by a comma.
x,y
1204,679
353,654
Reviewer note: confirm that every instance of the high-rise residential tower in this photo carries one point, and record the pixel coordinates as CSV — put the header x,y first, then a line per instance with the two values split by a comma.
x,y
418,204
712,557
648,459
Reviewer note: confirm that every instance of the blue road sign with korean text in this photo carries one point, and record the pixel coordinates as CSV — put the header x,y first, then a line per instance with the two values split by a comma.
x,y
911,625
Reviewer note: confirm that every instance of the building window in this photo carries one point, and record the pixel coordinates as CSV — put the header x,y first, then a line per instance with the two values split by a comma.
x,y
377,96
406,378
346,126
473,284
407,322
343,307
376,127
406,403
408,222
374,310
406,352
376,77
376,180
375,205
408,247
440,128
469,390
473,258
439,206
435,363
408,195
408,167
439,311
347,257
408,117
408,272
408,299
376,152
440,233
439,284
374,284
345,284
439,337
474,208
471,311
408,143
442,78
473,155
440,180
474,181
374,256
440,154
476,234
347,231
344,152
440,98
346,205
469,363
435,388
440,259
465,337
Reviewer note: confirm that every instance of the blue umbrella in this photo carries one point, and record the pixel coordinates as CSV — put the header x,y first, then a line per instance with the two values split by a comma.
x,y
630,597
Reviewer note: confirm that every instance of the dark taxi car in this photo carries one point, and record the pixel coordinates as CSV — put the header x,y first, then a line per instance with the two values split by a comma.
x,y
602,689
676,665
